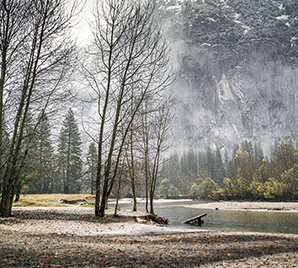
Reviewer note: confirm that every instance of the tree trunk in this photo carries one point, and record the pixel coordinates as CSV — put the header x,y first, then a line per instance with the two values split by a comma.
x,y
97,199
18,192
7,197
117,199
92,186
146,205
103,203
151,204
131,167
100,210
133,186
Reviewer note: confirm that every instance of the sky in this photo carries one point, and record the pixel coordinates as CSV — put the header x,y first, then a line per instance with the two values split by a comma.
x,y
82,30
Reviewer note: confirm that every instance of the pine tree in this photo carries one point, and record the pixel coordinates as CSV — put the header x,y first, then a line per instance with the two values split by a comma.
x,y
210,162
247,146
189,170
40,159
91,162
69,148
258,154
219,170
27,168
284,158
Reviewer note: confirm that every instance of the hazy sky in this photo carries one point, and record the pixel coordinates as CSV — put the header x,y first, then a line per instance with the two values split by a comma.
x,y
82,30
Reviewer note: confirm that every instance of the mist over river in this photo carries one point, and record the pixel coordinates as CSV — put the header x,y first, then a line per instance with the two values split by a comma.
x,y
224,220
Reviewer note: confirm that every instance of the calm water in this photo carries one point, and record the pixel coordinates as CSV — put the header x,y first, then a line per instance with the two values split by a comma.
x,y
255,221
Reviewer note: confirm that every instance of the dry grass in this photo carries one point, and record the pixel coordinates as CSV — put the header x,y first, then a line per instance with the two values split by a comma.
x,y
50,200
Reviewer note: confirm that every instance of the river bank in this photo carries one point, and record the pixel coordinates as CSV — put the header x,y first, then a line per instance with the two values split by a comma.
x,y
225,205
72,237
253,206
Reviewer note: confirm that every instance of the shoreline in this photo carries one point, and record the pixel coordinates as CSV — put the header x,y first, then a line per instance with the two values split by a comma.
x,y
83,223
249,206
72,237
226,205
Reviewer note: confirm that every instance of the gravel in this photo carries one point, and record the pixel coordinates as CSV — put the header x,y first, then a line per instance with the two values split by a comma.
x,y
72,237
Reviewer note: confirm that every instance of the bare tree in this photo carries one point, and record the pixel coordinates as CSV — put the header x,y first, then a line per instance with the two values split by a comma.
x,y
156,122
130,60
35,55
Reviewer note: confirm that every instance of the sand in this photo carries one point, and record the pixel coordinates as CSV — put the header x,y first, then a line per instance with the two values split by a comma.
x,y
260,206
72,237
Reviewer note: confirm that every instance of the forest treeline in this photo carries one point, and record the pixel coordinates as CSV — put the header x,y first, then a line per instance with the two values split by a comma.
x,y
247,175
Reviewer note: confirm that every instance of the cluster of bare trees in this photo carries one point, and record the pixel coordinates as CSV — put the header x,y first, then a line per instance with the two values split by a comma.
x,y
35,59
128,74
127,70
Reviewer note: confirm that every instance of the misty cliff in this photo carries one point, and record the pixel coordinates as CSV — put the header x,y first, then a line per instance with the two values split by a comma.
x,y
236,63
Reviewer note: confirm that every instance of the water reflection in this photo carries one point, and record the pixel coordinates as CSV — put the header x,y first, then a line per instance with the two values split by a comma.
x,y
256,221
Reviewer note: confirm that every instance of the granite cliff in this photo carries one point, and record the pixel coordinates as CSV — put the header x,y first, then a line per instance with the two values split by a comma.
x,y
236,64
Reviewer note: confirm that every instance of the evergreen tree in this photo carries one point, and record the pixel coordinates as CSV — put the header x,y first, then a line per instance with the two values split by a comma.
x,y
171,170
69,148
188,166
219,170
290,183
206,164
246,146
230,165
284,158
203,171
40,158
27,171
210,162
259,155
91,162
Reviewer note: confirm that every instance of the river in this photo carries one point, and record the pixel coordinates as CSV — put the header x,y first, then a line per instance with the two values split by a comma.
x,y
225,220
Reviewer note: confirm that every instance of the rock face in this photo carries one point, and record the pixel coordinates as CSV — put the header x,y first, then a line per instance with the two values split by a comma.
x,y
236,65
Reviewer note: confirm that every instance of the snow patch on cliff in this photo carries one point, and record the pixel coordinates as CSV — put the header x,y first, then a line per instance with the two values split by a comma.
x,y
224,90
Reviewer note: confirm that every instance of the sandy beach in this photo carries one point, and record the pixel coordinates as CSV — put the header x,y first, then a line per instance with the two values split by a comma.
x,y
261,206
72,237
228,205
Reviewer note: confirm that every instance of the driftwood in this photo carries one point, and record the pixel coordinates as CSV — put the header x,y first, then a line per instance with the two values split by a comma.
x,y
154,218
196,220
74,201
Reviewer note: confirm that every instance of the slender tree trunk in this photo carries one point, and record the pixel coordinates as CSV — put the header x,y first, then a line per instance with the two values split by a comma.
x,y
2,79
91,186
104,198
18,192
151,203
133,187
97,188
131,167
117,198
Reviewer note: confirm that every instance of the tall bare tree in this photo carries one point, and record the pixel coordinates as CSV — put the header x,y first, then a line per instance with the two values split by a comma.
x,y
130,60
156,123
35,54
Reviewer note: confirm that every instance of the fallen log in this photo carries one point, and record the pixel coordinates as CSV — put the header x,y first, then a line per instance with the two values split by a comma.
x,y
73,202
155,219
196,220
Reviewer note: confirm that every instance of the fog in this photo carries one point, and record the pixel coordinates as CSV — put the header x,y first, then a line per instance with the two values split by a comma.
x,y
228,93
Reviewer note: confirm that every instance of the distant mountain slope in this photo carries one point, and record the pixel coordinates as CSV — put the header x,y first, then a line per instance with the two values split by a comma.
x,y
237,71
